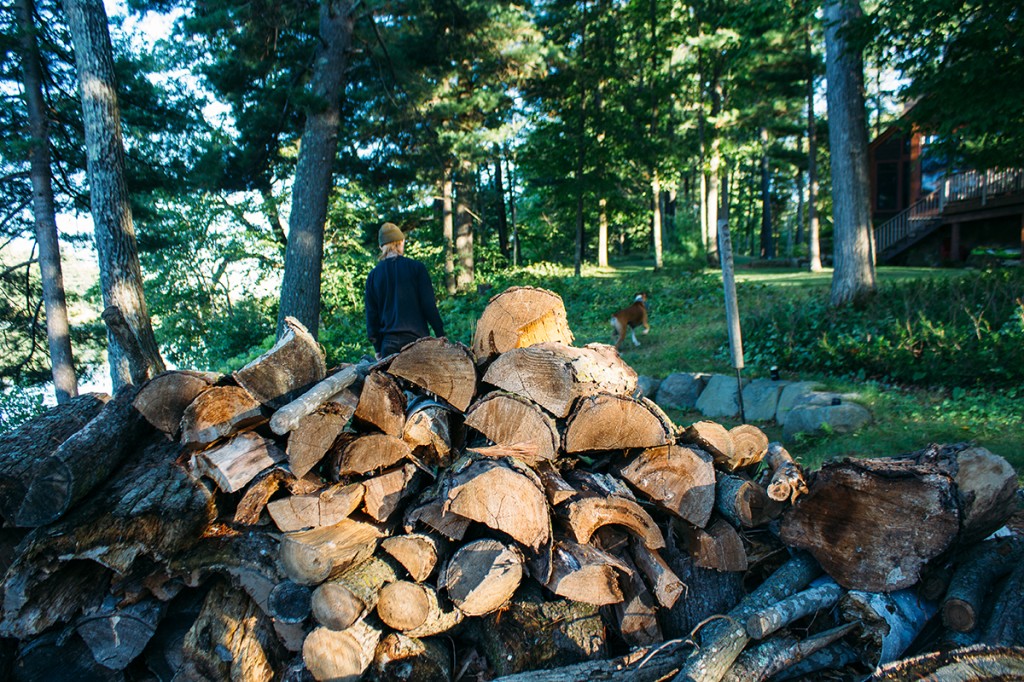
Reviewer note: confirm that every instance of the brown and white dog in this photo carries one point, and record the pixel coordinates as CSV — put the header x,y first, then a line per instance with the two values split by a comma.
x,y
629,318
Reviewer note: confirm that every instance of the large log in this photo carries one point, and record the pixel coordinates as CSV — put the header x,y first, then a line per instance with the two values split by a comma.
x,y
83,461
233,464
310,557
678,478
506,419
22,449
399,658
555,375
325,507
416,609
439,366
334,387
115,634
315,434
519,317
340,602
585,574
341,656
609,422
292,366
986,486
382,404
482,575
163,399
862,520
217,413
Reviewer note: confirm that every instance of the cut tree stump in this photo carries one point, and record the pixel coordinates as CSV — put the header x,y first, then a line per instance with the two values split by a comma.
x,y
83,461
325,507
482,576
399,658
217,413
382,404
232,465
369,453
310,557
678,478
341,656
162,400
340,602
418,553
555,375
310,441
749,445
519,317
290,602
506,419
586,574
609,422
439,366
416,609
291,367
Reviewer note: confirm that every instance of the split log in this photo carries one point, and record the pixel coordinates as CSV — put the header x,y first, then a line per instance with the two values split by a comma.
x,y
265,486
382,404
22,449
637,613
586,514
891,621
292,366
288,417
235,463
506,419
416,609
482,575
678,478
83,461
585,574
978,663
431,512
987,562
769,620
428,432
418,553
743,502
556,488
341,656
749,446
714,439
217,413
533,633
56,657
718,546
399,658
368,453
519,317
325,507
787,480
289,602
163,399
502,497
439,366
310,441
862,520
555,375
310,557
231,639
777,654
665,584
609,422
116,635
340,602
383,494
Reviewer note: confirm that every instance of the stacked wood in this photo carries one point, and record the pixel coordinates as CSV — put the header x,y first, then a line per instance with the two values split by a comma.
x,y
443,513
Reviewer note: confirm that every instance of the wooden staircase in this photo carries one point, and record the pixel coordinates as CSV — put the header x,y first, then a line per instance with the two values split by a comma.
x,y
924,217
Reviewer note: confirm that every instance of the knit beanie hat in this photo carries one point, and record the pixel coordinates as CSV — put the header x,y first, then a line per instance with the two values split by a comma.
x,y
389,232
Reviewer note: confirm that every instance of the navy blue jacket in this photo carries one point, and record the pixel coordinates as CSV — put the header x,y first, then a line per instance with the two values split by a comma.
x,y
400,299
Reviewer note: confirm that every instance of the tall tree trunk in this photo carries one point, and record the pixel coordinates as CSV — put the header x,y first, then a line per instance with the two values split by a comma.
x,y
798,238
767,239
303,262
464,235
813,229
580,153
602,232
516,255
714,169
448,228
58,331
499,191
656,220
854,275
116,246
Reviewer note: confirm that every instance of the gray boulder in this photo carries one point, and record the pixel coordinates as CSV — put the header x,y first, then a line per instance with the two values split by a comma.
x,y
720,398
648,387
681,390
793,394
812,419
761,398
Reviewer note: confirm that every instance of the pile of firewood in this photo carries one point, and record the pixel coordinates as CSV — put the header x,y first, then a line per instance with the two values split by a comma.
x,y
511,509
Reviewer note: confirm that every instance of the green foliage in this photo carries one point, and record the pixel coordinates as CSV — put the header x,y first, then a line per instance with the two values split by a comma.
x,y
941,332
18,405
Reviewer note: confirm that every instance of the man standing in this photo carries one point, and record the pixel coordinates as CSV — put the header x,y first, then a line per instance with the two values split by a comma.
x,y
400,299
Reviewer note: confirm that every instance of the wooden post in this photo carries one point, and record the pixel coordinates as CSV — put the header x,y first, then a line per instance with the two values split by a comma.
x,y
732,314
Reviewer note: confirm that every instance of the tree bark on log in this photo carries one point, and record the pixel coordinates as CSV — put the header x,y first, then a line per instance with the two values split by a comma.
x,y
382,404
678,478
325,507
83,461
291,367
163,399
399,658
977,573
743,502
310,441
836,656
482,575
666,585
554,375
978,663
232,465
637,613
341,656
778,653
787,479
340,602
430,511
1005,626
609,422
217,413
287,418
779,615
519,317
440,367
310,557
416,609
506,419
891,621
646,664
117,635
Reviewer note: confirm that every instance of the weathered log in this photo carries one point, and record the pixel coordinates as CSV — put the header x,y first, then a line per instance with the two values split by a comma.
x,y
22,449
777,654
718,546
506,419
57,657
416,609
646,664
115,634
164,657
289,602
399,658
978,663
608,422
291,367
232,465
383,494
714,439
708,592
585,574
743,502
482,575
382,404
310,557
502,497
429,432
986,485
890,620
231,639
769,620
325,507
439,366
665,584
637,613
533,633
368,453
555,375
749,446
310,441
265,485
976,574
418,553
519,317
787,479
83,461
341,656
1005,625
162,400
287,418
586,514
340,602
862,520
678,478
217,413
595,483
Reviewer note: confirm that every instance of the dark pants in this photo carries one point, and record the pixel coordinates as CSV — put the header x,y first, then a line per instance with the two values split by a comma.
x,y
393,343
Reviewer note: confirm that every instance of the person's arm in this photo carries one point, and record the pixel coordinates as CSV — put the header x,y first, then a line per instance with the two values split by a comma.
x,y
428,304
372,314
